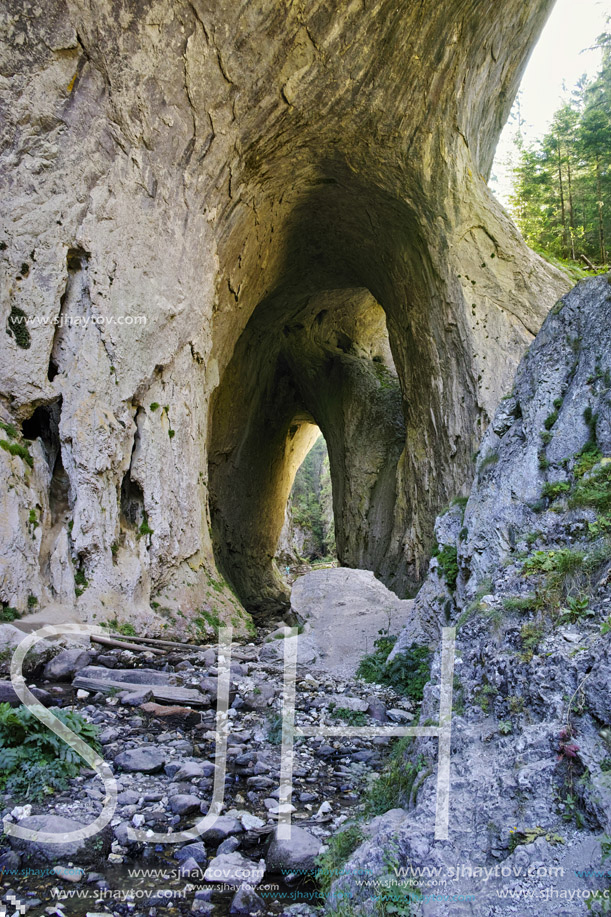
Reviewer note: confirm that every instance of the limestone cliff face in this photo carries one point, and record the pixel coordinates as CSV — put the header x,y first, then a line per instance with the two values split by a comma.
x,y
294,199
529,593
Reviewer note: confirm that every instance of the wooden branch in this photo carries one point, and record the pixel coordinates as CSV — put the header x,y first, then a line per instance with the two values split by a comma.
x,y
136,648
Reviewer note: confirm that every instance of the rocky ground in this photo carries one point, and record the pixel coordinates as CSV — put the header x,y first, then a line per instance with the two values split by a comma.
x,y
164,758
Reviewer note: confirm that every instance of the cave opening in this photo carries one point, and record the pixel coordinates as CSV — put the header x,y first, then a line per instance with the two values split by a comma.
x,y
308,534
320,370
345,326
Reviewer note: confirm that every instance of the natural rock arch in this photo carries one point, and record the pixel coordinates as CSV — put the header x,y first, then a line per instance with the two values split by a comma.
x,y
204,164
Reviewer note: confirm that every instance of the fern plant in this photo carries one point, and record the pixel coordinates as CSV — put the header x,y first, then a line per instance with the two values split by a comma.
x,y
33,760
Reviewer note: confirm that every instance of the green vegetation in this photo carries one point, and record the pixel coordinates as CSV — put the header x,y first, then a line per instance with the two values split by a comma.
x,y
394,786
154,405
576,609
8,613
407,673
562,561
121,627
530,635
522,603
80,582
329,865
274,728
32,602
145,528
16,327
562,184
530,835
505,727
491,459
585,461
594,491
448,563
34,761
311,502
205,621
484,695
351,717
9,429
555,489
475,605
18,450
550,420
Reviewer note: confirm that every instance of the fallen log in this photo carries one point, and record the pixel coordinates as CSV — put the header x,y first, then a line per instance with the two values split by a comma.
x,y
119,644
155,641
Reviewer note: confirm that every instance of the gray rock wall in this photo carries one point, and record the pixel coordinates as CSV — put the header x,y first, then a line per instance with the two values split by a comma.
x,y
211,167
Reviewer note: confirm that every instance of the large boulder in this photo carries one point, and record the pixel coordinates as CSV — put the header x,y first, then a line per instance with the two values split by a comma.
x,y
298,852
87,851
344,610
66,664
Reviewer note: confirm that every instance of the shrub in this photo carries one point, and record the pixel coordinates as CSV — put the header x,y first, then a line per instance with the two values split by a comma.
x,y
393,787
407,673
17,449
523,603
16,327
351,717
145,528
448,563
341,847
594,491
484,695
33,760
9,429
491,459
585,461
274,729
8,613
554,489
121,627
563,561
544,462
550,420
576,609
530,635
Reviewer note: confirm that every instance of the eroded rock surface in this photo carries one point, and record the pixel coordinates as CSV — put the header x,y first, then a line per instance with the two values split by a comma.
x,y
226,222
530,784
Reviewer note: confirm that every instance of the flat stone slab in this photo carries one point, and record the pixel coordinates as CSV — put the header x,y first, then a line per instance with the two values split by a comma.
x,y
128,676
90,679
